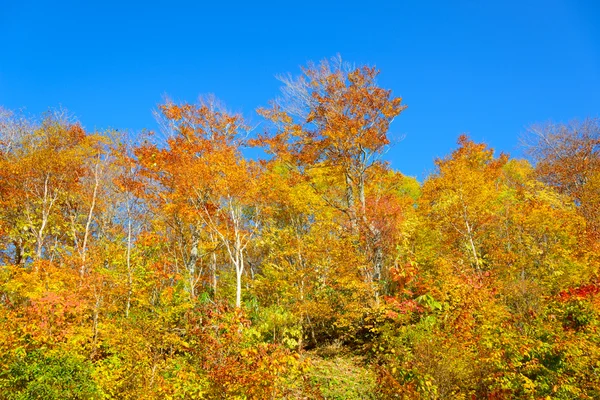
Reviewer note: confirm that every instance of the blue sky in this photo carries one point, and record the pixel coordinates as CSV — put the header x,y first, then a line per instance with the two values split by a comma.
x,y
486,68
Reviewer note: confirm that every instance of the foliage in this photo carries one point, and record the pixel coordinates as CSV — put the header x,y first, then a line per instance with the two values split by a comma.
x,y
177,267
40,376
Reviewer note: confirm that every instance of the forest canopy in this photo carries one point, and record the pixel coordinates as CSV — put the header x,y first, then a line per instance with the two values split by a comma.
x,y
172,266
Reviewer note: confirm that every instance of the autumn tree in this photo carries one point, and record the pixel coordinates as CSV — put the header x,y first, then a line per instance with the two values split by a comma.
x,y
308,286
205,183
335,117
460,197
567,157
492,249
130,211
53,174
493,215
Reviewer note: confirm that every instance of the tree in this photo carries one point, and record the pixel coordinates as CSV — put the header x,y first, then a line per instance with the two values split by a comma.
x,y
52,178
567,157
205,183
460,198
335,117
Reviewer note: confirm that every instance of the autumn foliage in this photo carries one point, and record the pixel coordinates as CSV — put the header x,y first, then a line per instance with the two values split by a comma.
x,y
173,266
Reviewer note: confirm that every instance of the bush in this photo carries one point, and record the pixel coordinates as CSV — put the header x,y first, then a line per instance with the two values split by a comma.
x,y
41,376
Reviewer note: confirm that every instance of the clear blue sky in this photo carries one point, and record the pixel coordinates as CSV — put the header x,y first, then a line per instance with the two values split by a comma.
x,y
487,68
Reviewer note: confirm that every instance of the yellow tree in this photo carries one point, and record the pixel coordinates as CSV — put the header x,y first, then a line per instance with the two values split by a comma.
x,y
491,214
308,282
459,198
